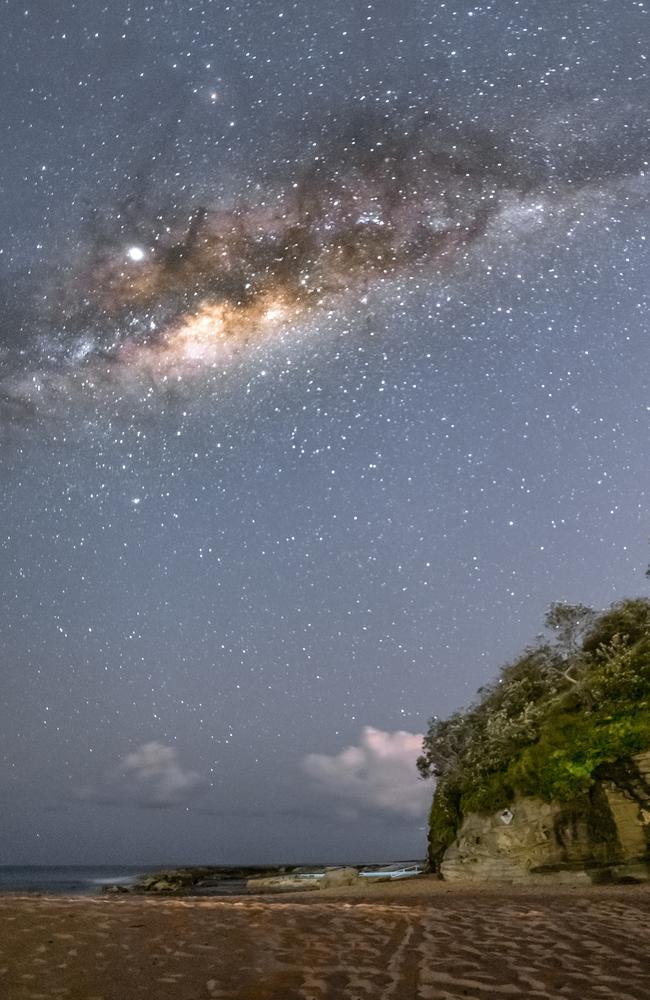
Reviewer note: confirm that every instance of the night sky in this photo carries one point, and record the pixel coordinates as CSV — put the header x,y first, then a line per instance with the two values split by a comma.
x,y
323,371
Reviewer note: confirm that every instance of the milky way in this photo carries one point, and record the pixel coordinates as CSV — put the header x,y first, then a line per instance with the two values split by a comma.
x,y
153,301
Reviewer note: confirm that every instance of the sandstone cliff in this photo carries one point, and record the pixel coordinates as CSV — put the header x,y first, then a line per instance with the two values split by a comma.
x,y
604,836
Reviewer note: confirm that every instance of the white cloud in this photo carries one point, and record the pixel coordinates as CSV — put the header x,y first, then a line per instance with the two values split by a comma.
x,y
154,776
377,775
150,776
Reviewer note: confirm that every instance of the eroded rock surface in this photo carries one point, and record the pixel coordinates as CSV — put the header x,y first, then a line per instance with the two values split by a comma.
x,y
601,838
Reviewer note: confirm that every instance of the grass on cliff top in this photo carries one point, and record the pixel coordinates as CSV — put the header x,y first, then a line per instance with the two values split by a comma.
x,y
564,714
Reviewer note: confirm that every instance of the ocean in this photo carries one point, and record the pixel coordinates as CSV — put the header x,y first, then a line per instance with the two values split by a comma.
x,y
67,879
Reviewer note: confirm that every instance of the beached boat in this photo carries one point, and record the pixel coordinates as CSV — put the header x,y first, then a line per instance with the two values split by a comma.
x,y
394,872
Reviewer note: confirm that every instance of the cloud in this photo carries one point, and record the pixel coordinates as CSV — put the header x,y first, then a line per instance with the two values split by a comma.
x,y
378,775
150,776
155,777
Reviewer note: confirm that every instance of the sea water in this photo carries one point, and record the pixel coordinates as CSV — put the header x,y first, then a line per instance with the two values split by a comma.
x,y
67,879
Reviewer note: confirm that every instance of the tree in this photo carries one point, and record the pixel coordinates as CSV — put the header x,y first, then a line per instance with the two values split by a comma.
x,y
569,623
443,745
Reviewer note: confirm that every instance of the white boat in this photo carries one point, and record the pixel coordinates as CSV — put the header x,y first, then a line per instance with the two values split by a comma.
x,y
388,871
394,872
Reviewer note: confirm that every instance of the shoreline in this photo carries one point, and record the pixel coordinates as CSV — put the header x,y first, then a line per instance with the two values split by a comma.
x,y
417,890
426,890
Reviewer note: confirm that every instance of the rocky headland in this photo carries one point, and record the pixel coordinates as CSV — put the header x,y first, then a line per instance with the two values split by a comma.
x,y
547,777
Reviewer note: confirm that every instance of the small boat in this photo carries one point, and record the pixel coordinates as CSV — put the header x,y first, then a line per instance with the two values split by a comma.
x,y
394,872
388,871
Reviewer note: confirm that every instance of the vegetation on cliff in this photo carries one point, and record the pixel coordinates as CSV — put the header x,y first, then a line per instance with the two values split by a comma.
x,y
569,711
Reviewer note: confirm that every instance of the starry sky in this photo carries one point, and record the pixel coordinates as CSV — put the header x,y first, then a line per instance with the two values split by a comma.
x,y
323,371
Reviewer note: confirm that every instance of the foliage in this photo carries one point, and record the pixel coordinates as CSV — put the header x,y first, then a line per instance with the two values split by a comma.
x,y
444,820
559,713
629,619
563,763
568,622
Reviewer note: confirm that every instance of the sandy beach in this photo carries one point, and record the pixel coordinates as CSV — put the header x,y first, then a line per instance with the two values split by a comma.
x,y
426,940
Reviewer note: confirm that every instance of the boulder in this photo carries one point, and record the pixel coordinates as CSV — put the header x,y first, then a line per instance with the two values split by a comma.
x,y
146,883
164,885
336,877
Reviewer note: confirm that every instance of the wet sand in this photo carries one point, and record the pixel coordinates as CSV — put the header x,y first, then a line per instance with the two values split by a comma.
x,y
424,941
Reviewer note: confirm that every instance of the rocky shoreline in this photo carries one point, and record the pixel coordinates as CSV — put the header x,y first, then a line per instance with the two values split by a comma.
x,y
246,880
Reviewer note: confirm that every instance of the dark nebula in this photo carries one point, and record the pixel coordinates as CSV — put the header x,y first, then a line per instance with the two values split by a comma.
x,y
161,293
154,297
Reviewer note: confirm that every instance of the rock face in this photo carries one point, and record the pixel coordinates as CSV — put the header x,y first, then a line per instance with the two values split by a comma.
x,y
605,837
